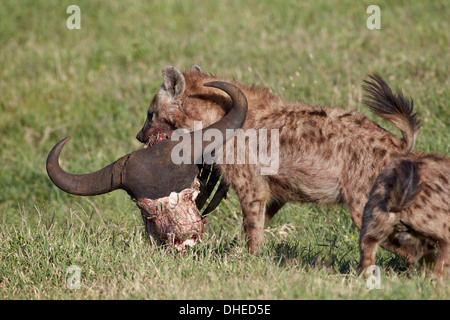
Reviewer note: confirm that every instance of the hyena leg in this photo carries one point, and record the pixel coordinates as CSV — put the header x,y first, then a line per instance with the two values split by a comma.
x,y
253,199
374,230
368,247
443,261
253,224
369,244
356,208
373,221
272,208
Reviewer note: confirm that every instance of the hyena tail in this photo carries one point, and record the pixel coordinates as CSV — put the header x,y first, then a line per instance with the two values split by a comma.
x,y
402,186
394,108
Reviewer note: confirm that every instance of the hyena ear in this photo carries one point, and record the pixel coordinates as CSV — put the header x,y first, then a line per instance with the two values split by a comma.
x,y
196,68
174,81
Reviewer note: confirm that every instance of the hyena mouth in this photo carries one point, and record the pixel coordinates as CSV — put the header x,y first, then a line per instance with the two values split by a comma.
x,y
155,138
157,134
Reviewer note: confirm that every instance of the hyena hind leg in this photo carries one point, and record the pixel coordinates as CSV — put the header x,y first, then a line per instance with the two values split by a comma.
x,y
368,247
442,267
375,230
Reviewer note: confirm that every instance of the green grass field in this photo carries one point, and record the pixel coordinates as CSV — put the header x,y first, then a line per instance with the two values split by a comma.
x,y
95,85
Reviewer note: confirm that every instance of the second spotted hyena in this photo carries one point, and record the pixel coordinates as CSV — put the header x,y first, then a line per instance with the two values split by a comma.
x,y
327,155
409,210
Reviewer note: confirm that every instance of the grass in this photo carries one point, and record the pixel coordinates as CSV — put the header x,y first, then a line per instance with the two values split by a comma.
x,y
95,84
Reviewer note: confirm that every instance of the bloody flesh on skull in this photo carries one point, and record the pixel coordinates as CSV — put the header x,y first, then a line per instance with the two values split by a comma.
x,y
173,220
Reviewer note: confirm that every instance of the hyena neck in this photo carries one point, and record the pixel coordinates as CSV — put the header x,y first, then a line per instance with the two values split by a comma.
x,y
260,99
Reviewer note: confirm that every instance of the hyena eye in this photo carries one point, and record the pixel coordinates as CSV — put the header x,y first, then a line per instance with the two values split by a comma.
x,y
150,116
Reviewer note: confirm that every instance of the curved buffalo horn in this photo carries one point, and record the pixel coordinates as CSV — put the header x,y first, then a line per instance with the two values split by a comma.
x,y
145,173
234,119
91,184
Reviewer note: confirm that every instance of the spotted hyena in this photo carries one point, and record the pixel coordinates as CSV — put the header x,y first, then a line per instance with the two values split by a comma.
x,y
409,210
327,155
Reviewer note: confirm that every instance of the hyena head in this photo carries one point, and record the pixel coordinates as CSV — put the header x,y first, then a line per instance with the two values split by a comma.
x,y
181,100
